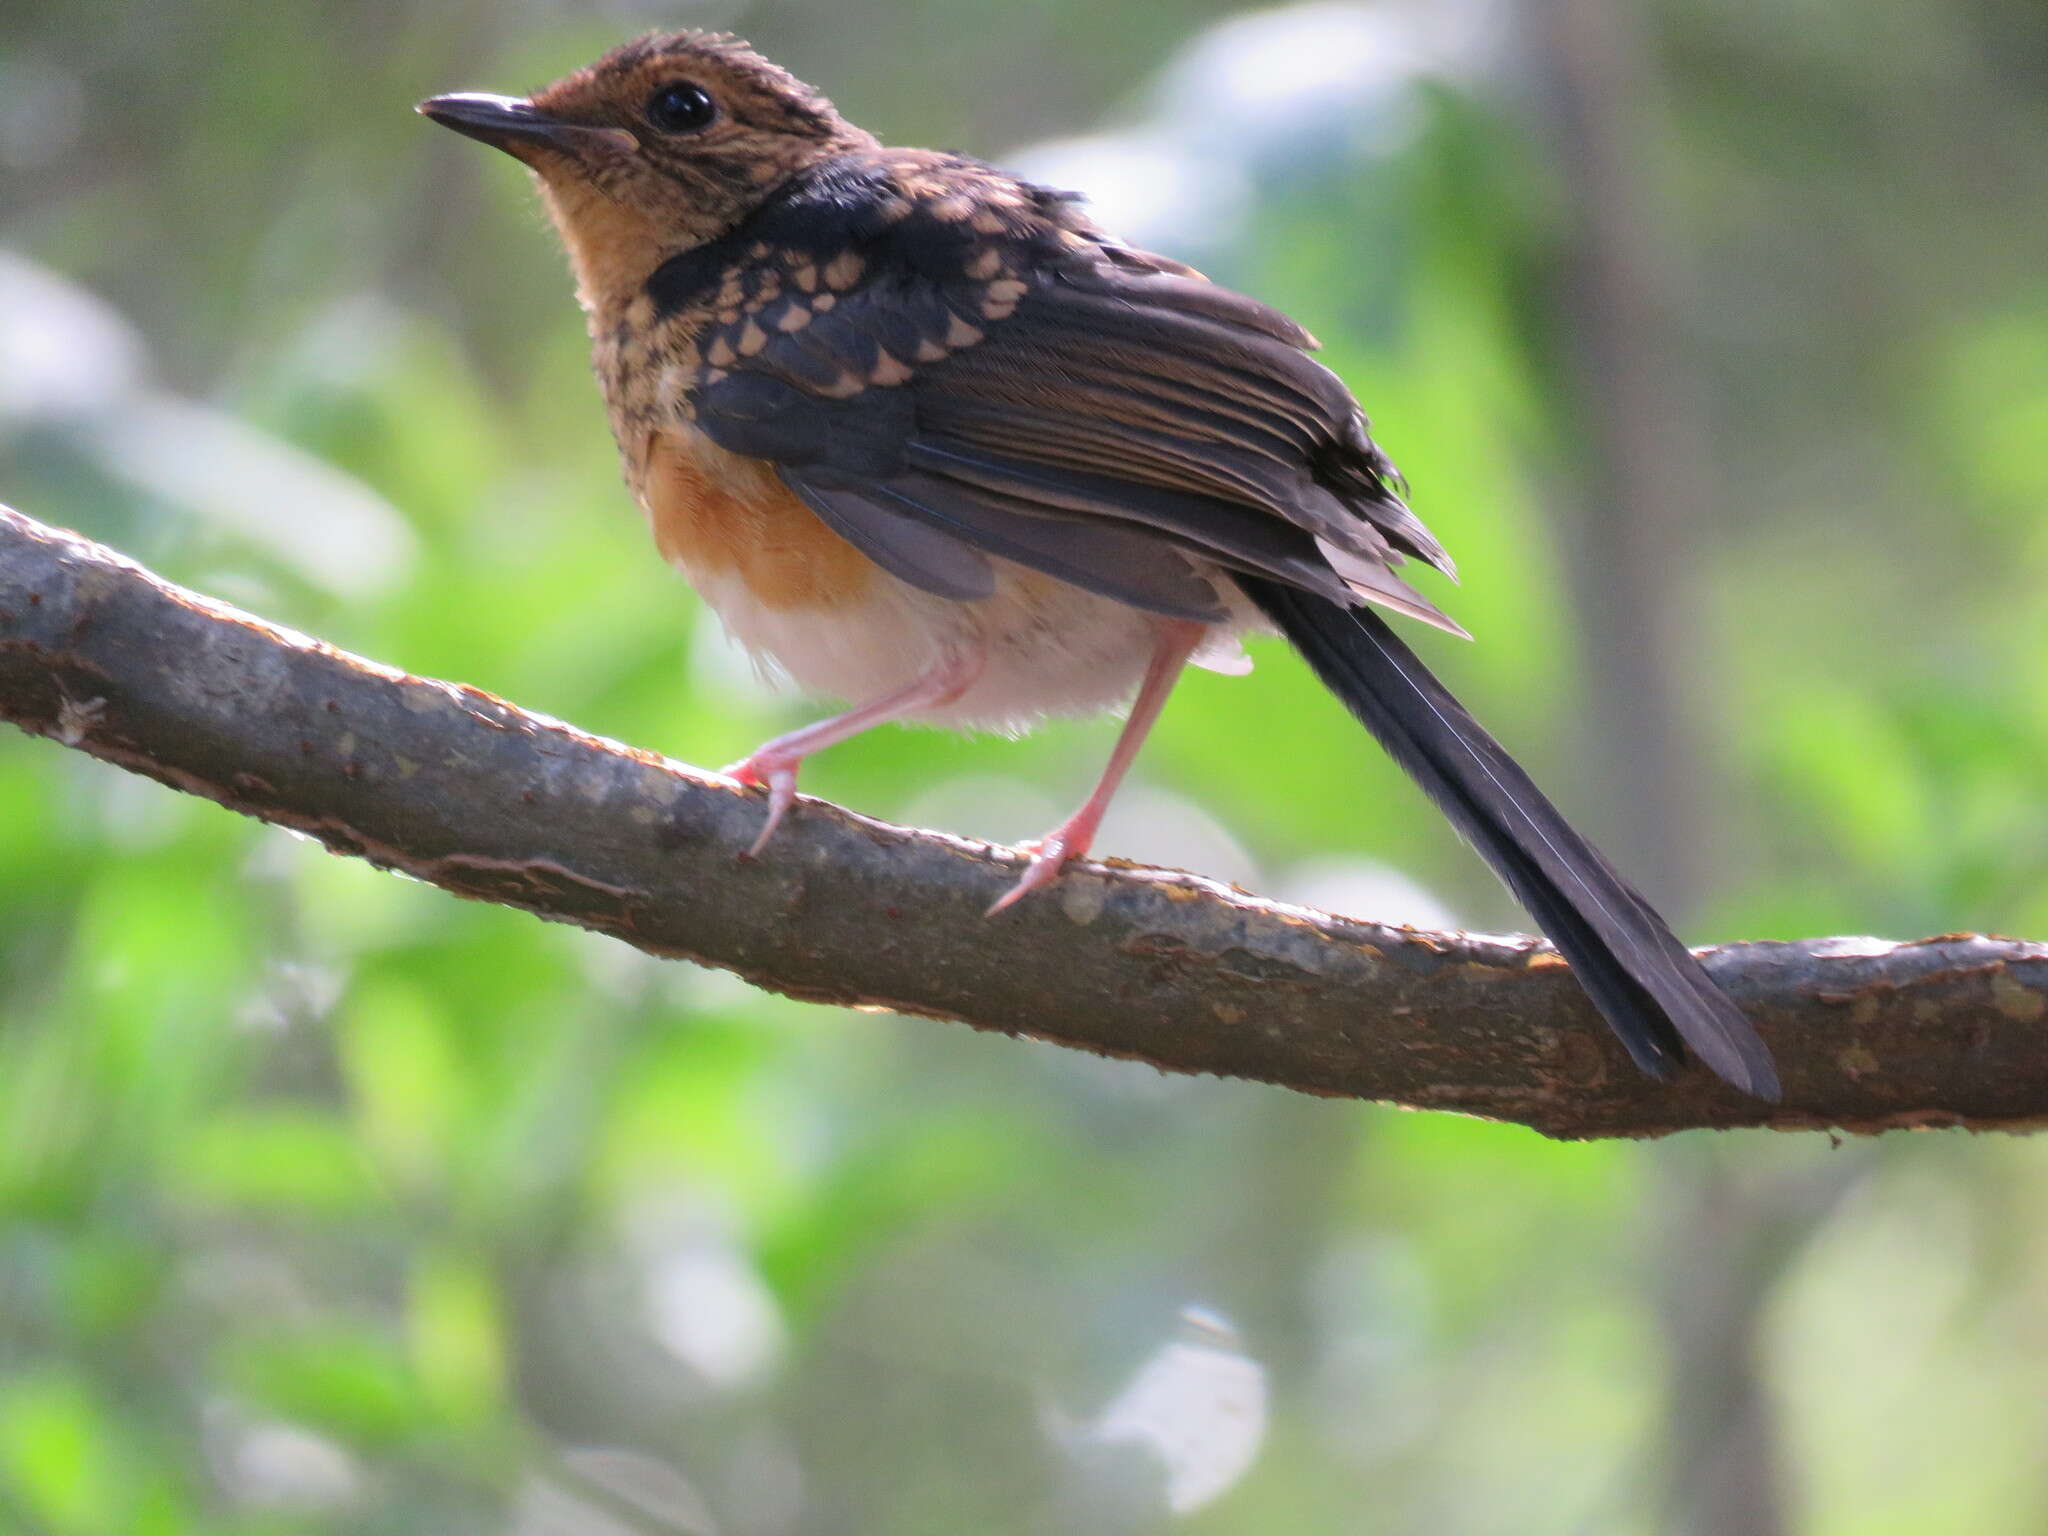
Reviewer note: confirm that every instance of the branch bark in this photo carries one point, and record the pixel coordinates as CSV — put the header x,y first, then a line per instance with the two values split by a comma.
x,y
462,790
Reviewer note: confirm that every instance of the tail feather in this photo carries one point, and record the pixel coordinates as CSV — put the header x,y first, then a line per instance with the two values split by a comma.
x,y
1648,986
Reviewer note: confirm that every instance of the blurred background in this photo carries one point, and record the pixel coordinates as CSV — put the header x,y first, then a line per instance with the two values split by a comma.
x,y
1713,335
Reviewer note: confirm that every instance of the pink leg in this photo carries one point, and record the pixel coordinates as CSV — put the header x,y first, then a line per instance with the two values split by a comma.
x,y
1070,839
775,763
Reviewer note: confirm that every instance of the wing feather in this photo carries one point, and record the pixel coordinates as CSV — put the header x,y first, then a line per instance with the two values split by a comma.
x,y
916,549
1097,555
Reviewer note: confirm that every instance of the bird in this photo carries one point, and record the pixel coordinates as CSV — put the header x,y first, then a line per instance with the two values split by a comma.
x,y
933,443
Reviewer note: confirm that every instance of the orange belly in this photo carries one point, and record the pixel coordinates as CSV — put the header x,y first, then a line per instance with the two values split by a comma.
x,y
717,514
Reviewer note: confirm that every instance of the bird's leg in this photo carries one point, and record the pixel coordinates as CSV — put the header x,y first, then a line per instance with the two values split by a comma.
x,y
1070,839
775,763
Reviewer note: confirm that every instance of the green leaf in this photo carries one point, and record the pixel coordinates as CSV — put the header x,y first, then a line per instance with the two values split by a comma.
x,y
55,1453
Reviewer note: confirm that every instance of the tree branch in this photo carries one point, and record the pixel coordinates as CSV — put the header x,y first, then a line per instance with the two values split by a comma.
x,y
462,790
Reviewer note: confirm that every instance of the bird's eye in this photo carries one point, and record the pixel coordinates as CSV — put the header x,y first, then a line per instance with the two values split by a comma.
x,y
681,108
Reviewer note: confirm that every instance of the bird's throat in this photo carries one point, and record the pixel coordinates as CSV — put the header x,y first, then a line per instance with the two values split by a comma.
x,y
612,247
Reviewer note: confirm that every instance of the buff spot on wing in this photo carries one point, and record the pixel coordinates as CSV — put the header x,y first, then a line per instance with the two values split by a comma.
x,y
888,372
1000,298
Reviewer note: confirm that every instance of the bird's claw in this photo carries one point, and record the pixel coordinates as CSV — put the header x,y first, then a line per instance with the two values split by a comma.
x,y
779,779
1049,855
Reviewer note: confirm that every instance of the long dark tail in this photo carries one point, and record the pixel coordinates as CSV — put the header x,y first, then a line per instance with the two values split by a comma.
x,y
1646,984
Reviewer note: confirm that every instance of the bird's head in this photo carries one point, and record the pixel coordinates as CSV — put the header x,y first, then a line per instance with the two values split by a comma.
x,y
661,145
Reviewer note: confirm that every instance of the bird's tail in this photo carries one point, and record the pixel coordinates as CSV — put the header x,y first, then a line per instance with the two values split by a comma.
x,y
1647,985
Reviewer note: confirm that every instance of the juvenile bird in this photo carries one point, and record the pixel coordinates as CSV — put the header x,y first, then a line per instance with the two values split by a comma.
x,y
937,445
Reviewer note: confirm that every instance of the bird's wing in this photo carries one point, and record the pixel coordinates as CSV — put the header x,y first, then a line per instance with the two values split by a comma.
x,y
976,369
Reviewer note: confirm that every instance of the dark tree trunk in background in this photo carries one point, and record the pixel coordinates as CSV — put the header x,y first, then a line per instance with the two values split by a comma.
x,y
1642,502
1643,506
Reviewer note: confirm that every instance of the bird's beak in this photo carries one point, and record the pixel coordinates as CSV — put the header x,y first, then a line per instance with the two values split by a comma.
x,y
512,124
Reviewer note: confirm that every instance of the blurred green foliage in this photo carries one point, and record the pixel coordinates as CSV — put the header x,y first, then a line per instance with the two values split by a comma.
x,y
328,1204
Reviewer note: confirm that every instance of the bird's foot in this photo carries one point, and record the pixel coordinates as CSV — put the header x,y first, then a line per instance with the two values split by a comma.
x,y
1049,855
776,773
